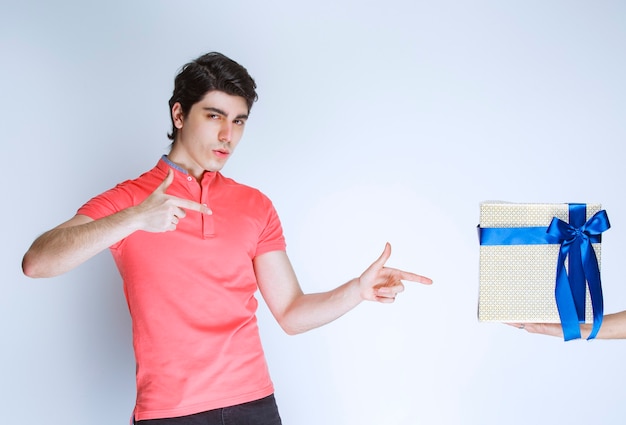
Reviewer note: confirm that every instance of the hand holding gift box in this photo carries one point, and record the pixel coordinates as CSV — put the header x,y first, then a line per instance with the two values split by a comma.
x,y
524,275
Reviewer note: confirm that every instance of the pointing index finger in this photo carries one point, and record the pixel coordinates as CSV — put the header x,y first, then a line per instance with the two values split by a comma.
x,y
194,206
412,277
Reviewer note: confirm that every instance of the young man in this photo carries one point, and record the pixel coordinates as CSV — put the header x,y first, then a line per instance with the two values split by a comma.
x,y
192,247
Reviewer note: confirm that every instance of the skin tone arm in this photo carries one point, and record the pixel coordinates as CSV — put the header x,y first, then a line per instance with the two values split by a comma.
x,y
80,238
75,241
297,312
613,327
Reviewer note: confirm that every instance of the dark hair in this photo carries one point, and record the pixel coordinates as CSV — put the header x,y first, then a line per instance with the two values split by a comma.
x,y
212,71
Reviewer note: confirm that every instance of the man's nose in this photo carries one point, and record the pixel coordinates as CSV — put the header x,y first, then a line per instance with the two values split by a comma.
x,y
226,133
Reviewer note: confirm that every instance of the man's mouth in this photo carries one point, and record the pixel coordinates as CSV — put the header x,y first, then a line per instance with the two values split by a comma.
x,y
221,153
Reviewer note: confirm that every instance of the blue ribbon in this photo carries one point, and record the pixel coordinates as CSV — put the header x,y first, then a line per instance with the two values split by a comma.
x,y
570,289
575,239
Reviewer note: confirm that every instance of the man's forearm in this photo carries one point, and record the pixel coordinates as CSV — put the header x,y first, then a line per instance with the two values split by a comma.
x,y
310,311
74,242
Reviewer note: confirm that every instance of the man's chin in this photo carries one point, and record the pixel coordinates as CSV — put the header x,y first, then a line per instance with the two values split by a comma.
x,y
214,166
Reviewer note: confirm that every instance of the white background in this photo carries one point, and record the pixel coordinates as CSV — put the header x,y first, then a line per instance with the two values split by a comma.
x,y
377,121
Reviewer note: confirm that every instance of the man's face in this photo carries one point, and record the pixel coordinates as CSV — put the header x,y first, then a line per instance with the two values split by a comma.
x,y
209,133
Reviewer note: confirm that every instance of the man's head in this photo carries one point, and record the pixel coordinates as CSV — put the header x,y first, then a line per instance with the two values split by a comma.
x,y
209,72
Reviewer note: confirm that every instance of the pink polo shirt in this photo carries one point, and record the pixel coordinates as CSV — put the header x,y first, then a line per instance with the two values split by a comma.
x,y
191,293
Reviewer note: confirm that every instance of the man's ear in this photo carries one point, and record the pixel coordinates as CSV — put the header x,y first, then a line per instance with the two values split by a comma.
x,y
178,115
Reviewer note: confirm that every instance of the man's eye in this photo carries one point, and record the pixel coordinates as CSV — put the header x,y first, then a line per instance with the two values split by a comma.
x,y
239,122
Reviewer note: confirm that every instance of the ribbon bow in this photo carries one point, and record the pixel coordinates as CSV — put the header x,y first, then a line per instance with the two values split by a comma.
x,y
576,238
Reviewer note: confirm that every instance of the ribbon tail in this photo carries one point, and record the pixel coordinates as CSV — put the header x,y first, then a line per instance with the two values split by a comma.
x,y
592,274
577,282
565,300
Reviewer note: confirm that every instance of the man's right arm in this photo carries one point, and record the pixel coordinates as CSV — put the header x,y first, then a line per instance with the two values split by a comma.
x,y
72,243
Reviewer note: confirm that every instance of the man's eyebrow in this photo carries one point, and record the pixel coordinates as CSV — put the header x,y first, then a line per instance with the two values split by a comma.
x,y
212,109
221,112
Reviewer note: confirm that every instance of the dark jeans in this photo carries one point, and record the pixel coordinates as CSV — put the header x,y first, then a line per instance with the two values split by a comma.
x,y
259,412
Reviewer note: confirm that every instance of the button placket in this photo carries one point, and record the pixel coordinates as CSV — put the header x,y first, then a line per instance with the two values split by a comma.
x,y
208,223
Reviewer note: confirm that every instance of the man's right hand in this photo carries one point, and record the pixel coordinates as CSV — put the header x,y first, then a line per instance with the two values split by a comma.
x,y
161,212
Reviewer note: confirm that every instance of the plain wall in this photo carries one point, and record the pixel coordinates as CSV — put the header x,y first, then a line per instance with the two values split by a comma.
x,y
377,121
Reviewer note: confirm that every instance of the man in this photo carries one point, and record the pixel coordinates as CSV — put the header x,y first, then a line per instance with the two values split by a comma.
x,y
192,247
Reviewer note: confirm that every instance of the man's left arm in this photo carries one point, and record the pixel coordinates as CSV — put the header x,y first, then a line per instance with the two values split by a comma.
x,y
297,312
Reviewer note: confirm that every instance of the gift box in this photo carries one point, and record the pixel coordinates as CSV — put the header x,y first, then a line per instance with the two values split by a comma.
x,y
540,263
